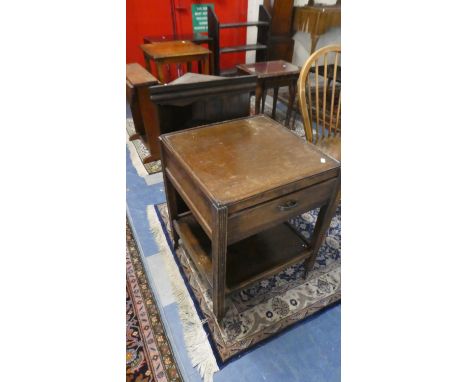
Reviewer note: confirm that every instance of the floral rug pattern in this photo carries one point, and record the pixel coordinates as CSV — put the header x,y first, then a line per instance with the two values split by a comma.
x,y
149,354
143,152
269,306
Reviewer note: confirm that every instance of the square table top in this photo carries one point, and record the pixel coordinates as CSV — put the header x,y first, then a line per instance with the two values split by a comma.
x,y
194,37
166,49
245,157
270,68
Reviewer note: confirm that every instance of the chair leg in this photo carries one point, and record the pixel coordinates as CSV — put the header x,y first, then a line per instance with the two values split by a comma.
x,y
258,97
275,100
263,99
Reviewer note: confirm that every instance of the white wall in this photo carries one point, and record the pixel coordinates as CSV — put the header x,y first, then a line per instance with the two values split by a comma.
x,y
301,39
302,43
252,15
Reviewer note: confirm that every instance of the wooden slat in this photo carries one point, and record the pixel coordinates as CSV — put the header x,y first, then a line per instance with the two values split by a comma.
x,y
317,105
325,87
242,48
243,24
310,116
333,90
329,122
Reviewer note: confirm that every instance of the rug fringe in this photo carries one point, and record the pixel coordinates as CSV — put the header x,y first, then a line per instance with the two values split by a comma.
x,y
195,337
134,157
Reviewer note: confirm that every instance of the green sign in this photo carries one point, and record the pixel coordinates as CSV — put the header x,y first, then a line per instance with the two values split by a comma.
x,y
200,17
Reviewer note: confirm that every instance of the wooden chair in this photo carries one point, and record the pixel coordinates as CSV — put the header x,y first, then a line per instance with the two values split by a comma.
x,y
319,87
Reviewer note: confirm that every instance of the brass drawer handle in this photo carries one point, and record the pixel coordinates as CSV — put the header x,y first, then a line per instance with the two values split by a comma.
x,y
289,205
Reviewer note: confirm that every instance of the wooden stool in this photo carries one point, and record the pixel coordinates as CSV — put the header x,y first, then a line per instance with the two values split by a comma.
x,y
176,52
138,81
273,74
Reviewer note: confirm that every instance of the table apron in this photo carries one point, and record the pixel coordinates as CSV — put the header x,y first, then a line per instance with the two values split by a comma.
x,y
279,80
266,215
191,194
180,59
280,191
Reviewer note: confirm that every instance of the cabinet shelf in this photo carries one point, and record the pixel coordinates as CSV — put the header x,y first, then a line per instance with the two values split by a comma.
x,y
242,48
248,261
263,36
244,24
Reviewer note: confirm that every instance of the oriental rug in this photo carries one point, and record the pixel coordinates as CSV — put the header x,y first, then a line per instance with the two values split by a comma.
x,y
296,124
149,354
271,305
138,153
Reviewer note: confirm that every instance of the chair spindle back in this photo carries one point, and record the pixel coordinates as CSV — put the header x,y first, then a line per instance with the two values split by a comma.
x,y
319,87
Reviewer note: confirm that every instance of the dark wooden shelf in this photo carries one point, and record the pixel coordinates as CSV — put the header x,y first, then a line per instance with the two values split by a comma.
x,y
242,48
260,48
244,24
249,260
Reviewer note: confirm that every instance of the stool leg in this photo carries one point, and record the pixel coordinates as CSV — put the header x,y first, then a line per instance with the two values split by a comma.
x,y
292,97
275,100
264,92
258,96
293,127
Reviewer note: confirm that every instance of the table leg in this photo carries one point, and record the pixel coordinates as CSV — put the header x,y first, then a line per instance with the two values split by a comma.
x,y
148,63
206,64
171,200
218,255
258,96
160,72
292,98
200,69
275,100
324,218
189,66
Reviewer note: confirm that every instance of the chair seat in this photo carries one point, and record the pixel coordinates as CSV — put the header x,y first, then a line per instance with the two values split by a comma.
x,y
331,147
